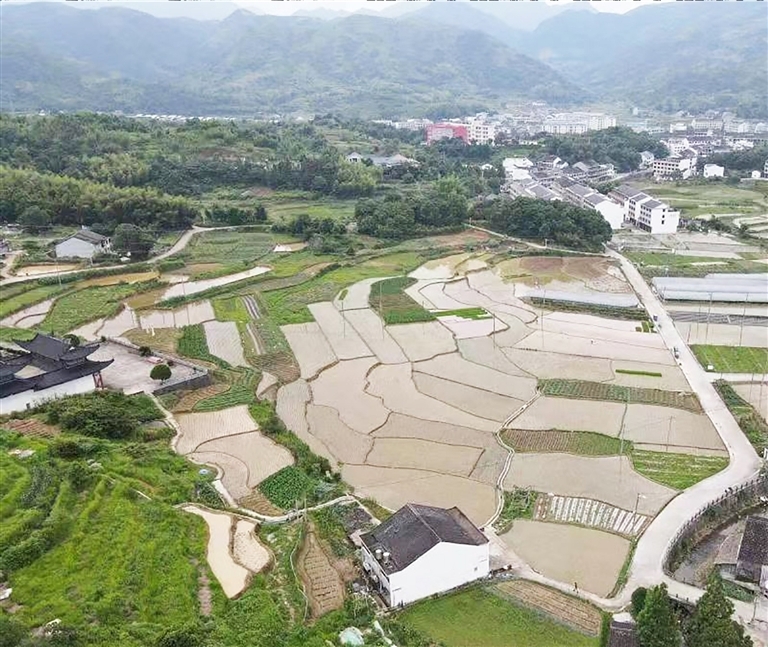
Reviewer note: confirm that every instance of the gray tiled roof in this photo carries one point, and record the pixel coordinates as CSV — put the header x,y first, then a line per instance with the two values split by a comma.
x,y
754,544
89,236
415,529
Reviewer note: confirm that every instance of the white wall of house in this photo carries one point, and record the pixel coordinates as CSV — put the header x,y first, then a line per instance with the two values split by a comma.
x,y
612,212
76,248
442,568
25,399
713,170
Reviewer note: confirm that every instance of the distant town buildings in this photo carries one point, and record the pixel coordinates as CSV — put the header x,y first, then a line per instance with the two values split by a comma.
x,y
382,161
481,132
437,132
713,170
576,123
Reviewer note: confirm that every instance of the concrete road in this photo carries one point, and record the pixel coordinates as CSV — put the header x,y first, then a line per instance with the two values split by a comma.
x,y
647,568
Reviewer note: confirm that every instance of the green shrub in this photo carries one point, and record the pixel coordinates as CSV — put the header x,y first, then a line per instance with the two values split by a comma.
x,y
286,487
160,372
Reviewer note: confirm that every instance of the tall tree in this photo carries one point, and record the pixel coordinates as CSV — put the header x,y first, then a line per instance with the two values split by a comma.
x,y
656,623
711,622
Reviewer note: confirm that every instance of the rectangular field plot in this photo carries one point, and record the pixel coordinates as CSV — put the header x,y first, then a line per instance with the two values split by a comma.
x,y
371,328
423,340
310,347
342,337
617,393
421,454
583,443
733,359
400,426
458,620
663,427
550,413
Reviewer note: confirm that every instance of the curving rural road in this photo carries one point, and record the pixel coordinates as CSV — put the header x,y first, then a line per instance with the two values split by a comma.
x,y
179,245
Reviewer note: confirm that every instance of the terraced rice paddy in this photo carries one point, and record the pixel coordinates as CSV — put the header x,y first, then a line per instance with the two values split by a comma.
x,y
589,559
322,583
408,412
224,342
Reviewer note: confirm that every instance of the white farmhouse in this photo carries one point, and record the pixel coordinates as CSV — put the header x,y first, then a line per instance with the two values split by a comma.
x,y
713,170
420,551
84,244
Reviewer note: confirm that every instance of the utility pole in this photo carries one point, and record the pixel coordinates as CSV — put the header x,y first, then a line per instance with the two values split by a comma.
x,y
669,432
743,315
709,314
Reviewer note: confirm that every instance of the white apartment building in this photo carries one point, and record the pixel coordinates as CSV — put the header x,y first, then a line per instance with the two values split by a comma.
x,y
676,145
576,123
480,132
672,168
765,169
611,212
651,215
713,170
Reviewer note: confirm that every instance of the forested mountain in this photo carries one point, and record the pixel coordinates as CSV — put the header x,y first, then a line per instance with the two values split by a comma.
x,y
681,55
55,57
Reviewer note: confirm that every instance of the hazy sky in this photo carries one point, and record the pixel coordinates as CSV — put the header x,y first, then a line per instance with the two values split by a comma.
x,y
287,7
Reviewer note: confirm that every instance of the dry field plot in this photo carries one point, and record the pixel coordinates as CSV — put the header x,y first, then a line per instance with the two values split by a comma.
x,y
421,341
310,347
394,385
572,415
338,440
489,465
414,292
457,369
672,378
556,365
400,426
291,406
593,321
198,428
371,329
483,404
654,428
189,399
591,559
361,411
247,549
32,427
575,613
232,576
342,337
393,488
266,383
322,582
605,478
261,456
224,342
424,455
435,294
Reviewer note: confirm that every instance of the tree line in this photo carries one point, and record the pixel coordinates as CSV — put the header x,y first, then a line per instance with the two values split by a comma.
x,y
558,222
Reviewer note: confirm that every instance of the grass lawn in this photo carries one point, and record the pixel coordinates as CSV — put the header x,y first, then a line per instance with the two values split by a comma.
x,y
678,471
465,313
284,210
476,617
732,359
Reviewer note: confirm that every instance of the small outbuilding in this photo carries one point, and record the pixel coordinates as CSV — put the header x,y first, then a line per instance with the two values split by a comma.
x,y
422,550
623,631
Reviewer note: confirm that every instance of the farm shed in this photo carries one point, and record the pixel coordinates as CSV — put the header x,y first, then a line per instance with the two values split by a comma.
x,y
736,288
623,631
422,550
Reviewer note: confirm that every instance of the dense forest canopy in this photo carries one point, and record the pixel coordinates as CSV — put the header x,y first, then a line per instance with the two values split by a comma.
x,y
558,222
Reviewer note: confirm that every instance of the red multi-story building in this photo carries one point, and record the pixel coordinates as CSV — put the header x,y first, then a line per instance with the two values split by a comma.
x,y
436,132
